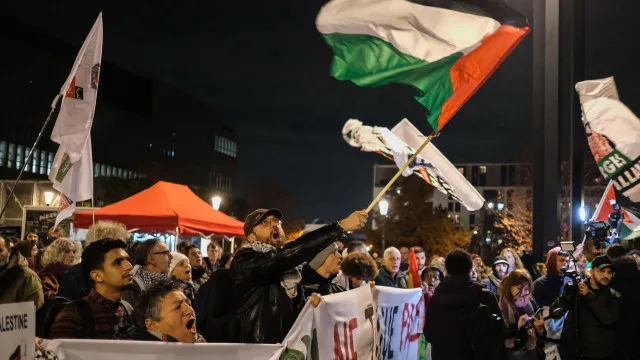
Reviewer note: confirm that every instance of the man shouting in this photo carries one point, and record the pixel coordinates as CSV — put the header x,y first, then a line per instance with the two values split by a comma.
x,y
266,282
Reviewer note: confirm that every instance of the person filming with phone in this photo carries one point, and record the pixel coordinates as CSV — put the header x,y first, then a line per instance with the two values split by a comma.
x,y
592,323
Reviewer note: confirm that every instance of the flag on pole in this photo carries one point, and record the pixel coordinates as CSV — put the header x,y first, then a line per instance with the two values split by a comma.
x,y
414,275
445,53
613,133
430,164
72,168
630,228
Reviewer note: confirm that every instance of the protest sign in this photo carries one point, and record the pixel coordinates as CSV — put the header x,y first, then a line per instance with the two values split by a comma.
x,y
17,331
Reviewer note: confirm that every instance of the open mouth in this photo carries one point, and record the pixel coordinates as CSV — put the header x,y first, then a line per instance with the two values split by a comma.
x,y
188,272
275,234
191,325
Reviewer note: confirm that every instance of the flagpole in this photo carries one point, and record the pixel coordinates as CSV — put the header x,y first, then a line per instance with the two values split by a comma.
x,y
400,171
28,159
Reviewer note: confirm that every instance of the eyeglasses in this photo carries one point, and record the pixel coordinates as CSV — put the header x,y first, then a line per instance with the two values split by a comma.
x,y
166,252
267,222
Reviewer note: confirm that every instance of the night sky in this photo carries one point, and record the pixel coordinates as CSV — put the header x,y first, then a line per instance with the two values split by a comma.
x,y
265,67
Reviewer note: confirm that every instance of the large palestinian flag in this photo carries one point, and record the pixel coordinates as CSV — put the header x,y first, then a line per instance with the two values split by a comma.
x,y
630,228
445,49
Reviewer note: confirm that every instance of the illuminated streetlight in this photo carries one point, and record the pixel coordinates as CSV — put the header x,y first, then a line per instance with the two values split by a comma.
x,y
500,206
383,206
490,204
583,213
48,198
215,202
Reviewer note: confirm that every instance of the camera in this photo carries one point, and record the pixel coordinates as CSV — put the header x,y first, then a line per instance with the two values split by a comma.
x,y
598,231
574,278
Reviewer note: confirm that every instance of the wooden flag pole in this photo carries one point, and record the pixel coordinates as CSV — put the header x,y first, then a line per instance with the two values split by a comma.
x,y
400,171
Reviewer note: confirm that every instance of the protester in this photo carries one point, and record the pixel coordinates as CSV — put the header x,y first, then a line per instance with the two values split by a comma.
x,y
180,270
421,258
636,255
164,313
548,288
483,270
474,274
390,274
214,253
74,284
354,246
182,247
359,268
18,283
32,235
199,271
627,282
152,265
512,258
266,283
517,308
29,249
433,277
317,275
447,327
59,257
500,270
225,261
102,314
404,253
598,311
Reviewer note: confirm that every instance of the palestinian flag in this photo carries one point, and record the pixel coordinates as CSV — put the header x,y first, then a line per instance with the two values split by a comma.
x,y
445,52
630,228
413,274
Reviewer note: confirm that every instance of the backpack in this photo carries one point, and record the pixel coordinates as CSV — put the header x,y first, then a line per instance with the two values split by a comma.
x,y
215,309
485,328
46,316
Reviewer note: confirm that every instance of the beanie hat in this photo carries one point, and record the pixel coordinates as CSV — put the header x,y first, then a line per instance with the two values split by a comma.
x,y
176,258
500,260
322,256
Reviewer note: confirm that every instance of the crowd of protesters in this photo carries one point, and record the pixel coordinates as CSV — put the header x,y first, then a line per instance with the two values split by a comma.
x,y
121,289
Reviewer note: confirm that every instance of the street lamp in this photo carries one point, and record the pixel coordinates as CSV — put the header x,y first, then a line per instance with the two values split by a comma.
x,y
215,202
583,213
490,204
48,198
500,206
383,206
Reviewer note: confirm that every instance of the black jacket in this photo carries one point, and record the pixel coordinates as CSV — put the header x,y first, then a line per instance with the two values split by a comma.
x,y
447,313
312,282
263,308
73,284
384,278
547,289
627,283
599,312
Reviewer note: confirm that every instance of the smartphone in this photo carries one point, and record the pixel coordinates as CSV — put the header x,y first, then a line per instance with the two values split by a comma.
x,y
539,313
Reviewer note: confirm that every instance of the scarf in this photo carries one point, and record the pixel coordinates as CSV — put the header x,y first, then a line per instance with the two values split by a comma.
x,y
149,278
290,279
495,280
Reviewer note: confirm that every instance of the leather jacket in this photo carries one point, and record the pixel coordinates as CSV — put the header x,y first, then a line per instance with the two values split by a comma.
x,y
264,311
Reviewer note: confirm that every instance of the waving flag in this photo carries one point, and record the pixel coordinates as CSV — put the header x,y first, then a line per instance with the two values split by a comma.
x,y
430,164
613,133
72,168
630,227
446,54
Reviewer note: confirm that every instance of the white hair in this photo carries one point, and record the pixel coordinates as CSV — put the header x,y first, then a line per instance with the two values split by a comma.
x,y
390,250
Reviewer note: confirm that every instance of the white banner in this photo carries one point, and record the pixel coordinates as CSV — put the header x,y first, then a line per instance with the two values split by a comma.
x,y
17,331
401,317
344,326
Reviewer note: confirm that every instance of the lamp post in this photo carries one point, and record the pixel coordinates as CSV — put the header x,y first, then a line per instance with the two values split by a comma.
x,y
215,202
383,206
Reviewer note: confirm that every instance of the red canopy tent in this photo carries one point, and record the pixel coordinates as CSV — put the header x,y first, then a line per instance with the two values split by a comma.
x,y
164,207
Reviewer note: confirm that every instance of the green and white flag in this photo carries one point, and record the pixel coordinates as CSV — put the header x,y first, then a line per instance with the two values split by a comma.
x,y
72,168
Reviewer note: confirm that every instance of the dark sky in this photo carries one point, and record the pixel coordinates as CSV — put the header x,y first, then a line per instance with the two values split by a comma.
x,y
264,66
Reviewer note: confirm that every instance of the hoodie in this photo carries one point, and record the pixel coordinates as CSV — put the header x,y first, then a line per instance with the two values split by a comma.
x,y
548,288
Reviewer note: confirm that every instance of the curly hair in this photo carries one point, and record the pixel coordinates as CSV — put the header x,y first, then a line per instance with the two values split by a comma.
x,y
105,229
54,253
359,265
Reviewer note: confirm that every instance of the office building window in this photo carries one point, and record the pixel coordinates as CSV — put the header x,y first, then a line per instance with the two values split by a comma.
x,y
35,162
109,170
450,207
225,146
483,169
19,156
3,152
11,163
472,219
96,170
27,163
49,163
43,162
457,207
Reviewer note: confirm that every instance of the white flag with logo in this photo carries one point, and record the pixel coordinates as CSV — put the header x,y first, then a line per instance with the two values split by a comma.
x,y
72,168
